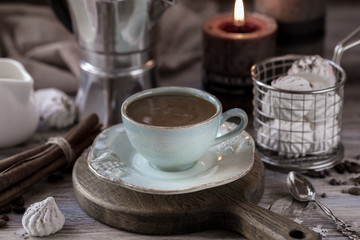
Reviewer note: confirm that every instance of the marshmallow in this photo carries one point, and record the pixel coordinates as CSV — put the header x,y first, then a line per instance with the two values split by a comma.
x,y
326,137
288,106
326,106
292,139
300,123
294,83
55,108
316,70
43,218
296,139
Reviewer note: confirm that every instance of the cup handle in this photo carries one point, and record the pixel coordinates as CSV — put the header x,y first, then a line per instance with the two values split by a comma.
x,y
233,113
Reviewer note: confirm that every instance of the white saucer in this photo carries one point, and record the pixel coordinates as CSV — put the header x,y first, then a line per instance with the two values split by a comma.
x,y
113,159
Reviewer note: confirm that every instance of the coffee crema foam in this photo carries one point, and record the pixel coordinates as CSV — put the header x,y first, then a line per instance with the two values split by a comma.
x,y
171,110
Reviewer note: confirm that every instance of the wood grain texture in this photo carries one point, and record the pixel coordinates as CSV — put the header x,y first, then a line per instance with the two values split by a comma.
x,y
230,207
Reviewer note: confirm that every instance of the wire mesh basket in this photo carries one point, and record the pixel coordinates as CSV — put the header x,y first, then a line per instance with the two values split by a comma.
x,y
296,130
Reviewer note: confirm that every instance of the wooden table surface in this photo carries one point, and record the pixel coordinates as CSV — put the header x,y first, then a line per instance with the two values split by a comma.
x,y
342,18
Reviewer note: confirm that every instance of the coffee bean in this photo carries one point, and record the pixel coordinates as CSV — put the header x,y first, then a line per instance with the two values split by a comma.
x,y
340,168
5,209
323,195
357,180
18,209
5,217
354,191
333,181
322,174
2,222
312,173
19,201
354,169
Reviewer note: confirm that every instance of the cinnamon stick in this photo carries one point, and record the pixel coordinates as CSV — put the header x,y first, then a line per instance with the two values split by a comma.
x,y
7,162
74,134
82,129
18,172
32,164
21,186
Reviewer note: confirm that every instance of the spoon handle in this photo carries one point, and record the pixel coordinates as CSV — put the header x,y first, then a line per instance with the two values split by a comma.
x,y
341,225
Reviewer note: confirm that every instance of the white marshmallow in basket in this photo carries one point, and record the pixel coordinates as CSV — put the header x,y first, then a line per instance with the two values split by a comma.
x,y
316,70
326,137
325,107
291,139
288,106
292,83
296,139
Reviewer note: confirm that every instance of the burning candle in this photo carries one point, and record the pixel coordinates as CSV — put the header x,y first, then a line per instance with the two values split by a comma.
x,y
239,13
232,43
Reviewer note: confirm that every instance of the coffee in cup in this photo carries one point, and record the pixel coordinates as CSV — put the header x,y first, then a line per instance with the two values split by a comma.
x,y
172,127
171,110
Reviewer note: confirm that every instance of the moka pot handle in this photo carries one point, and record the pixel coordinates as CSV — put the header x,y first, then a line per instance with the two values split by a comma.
x,y
61,11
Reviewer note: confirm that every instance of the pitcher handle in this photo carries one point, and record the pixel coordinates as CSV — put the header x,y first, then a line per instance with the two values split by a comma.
x,y
350,41
235,112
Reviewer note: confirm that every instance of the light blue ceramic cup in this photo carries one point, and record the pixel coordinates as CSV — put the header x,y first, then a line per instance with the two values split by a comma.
x,y
178,148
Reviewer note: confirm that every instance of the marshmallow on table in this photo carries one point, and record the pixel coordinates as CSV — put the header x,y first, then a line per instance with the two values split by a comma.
x,y
43,218
288,106
316,70
55,108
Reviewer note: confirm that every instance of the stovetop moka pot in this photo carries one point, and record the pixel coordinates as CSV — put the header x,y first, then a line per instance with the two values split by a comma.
x,y
117,42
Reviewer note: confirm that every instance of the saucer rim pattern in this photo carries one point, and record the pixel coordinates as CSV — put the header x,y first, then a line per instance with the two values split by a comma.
x,y
159,191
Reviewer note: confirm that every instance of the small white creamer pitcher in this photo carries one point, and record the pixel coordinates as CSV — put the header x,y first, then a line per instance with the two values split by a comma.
x,y
18,115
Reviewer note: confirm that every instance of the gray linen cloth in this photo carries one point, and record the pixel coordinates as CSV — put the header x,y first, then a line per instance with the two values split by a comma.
x,y
33,36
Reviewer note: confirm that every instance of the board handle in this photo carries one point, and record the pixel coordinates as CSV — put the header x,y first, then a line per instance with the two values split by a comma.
x,y
255,222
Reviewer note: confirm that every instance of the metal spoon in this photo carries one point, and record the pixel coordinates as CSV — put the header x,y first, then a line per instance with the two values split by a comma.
x,y
302,190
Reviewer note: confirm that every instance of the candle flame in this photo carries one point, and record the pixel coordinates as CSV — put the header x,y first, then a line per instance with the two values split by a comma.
x,y
239,13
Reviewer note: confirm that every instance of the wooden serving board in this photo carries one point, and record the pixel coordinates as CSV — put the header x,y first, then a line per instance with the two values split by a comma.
x,y
231,206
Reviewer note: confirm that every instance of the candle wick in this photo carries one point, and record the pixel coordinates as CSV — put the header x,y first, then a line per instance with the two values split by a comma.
x,y
239,23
